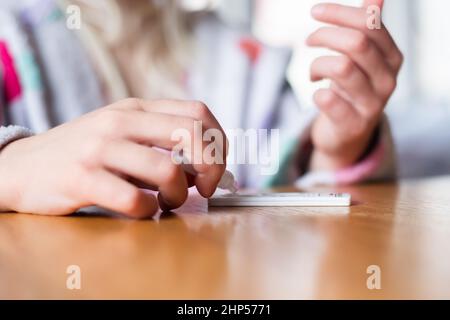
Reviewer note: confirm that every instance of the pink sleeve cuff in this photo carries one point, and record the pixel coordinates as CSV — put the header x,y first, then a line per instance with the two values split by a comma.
x,y
379,164
362,170
357,173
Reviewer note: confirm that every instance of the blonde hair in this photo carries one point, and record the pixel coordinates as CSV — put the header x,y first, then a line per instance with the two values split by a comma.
x,y
153,35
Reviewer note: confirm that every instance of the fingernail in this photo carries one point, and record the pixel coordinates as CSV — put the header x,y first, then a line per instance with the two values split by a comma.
x,y
163,204
317,10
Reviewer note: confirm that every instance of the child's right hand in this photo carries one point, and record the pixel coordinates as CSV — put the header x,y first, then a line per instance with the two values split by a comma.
x,y
91,161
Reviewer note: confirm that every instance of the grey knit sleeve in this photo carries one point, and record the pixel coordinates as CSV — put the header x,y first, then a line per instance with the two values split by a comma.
x,y
12,133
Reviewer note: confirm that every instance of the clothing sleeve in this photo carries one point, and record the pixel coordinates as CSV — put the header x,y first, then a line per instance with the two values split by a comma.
x,y
12,133
376,165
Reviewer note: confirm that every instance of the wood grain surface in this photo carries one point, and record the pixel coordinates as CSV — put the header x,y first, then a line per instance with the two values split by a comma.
x,y
270,253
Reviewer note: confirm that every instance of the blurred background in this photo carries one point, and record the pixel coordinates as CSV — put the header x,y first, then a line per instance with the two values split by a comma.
x,y
421,28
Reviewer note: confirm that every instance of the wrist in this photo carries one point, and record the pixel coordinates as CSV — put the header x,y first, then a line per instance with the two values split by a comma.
x,y
9,136
344,156
6,185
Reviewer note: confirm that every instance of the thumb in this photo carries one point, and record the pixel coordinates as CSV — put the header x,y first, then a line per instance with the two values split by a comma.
x,y
378,3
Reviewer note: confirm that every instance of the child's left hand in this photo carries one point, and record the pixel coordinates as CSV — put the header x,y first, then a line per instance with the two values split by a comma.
x,y
363,79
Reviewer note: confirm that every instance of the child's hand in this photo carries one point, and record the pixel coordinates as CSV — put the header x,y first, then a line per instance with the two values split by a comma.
x,y
91,161
363,79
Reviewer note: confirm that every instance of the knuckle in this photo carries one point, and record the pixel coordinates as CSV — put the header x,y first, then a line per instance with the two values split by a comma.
x,y
200,109
112,121
399,59
92,153
367,114
324,98
360,43
345,67
372,111
389,85
132,102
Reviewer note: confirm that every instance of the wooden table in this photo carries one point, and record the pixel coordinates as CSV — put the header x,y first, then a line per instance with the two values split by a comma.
x,y
274,253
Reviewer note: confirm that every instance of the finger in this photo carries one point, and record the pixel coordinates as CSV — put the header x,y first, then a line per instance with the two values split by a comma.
x,y
175,132
140,184
378,3
164,131
106,190
356,18
340,92
339,111
151,167
361,50
190,109
349,78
